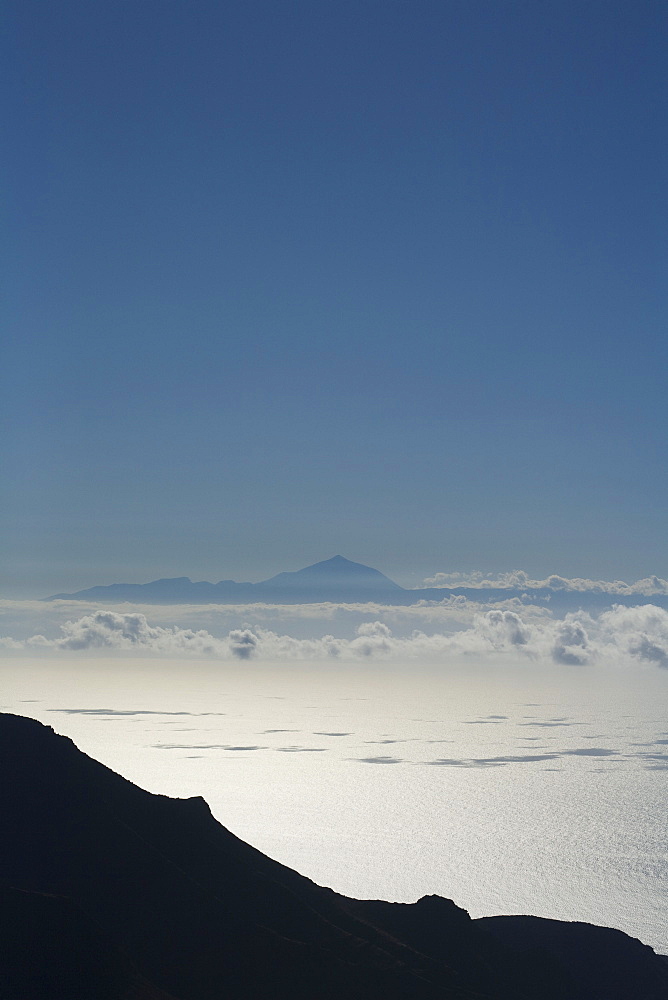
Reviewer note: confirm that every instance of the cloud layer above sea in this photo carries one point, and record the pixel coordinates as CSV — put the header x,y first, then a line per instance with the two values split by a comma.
x,y
635,634
519,580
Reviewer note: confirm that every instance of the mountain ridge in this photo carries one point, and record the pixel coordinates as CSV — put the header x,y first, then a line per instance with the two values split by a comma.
x,y
334,579
109,892
340,580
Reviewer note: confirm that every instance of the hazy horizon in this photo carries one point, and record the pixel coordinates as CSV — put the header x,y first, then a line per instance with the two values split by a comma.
x,y
509,579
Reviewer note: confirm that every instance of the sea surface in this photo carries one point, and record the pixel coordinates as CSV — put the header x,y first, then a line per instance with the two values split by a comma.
x,y
508,787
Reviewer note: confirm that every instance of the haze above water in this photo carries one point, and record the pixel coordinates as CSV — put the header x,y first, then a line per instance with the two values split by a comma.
x,y
508,787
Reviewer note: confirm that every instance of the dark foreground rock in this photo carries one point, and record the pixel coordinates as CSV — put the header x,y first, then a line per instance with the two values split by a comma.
x,y
108,892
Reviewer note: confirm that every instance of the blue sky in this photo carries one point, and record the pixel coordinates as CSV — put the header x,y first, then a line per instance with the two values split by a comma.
x,y
286,279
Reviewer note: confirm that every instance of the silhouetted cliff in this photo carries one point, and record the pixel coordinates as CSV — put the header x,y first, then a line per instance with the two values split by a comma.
x,y
108,892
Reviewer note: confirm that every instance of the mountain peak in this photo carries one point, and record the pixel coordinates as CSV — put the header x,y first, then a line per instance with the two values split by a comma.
x,y
338,564
337,572
334,579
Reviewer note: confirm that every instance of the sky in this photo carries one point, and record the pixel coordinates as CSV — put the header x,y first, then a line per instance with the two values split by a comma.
x,y
291,279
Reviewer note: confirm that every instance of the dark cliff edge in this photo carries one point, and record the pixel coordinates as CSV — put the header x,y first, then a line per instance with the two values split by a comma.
x,y
108,892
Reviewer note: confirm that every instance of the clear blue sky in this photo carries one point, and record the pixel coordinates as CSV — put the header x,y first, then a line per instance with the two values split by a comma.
x,y
286,279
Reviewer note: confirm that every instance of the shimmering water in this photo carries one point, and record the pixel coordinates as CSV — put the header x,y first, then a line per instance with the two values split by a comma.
x,y
511,789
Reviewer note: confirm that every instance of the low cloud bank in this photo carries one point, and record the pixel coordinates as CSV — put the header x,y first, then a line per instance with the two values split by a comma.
x,y
637,633
22,619
519,580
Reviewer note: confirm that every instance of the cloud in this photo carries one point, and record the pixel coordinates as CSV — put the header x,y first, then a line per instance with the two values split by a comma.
x,y
571,644
642,631
111,630
373,638
504,628
22,619
243,643
519,580
639,634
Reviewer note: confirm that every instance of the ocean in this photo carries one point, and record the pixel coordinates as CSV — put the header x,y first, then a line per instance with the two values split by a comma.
x,y
510,787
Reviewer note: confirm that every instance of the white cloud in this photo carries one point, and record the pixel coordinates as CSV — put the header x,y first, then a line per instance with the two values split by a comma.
x,y
571,643
22,619
503,628
130,631
641,632
519,580
243,643
638,634
373,638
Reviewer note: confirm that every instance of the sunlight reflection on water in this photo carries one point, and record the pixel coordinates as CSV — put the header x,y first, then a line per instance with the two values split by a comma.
x,y
510,790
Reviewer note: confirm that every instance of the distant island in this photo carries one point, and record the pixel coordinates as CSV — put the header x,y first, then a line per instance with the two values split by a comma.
x,y
339,580
108,892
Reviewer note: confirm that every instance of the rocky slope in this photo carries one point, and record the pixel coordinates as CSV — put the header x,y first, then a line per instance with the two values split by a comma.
x,y
110,892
